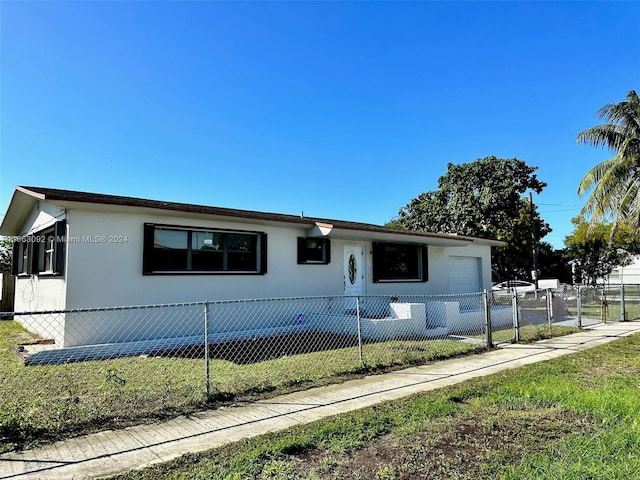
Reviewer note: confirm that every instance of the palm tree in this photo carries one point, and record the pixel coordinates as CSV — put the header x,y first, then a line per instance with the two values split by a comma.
x,y
615,183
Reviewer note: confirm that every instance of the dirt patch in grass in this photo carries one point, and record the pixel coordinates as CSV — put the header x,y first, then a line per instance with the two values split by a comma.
x,y
255,350
476,446
261,349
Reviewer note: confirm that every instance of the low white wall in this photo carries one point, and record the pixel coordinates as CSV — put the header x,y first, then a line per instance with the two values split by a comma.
x,y
404,321
119,326
407,320
164,322
121,332
48,326
472,321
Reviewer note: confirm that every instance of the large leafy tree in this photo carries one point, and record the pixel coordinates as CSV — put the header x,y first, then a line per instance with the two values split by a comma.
x,y
614,184
484,198
6,248
596,248
554,263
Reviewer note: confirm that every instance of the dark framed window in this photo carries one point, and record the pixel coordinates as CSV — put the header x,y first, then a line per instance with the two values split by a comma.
x,y
21,255
172,250
40,253
314,251
399,262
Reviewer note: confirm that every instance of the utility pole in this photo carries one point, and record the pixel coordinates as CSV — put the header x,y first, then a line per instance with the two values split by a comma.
x,y
534,242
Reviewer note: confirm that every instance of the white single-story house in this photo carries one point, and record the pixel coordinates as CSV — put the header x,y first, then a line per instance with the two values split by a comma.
x,y
627,275
77,250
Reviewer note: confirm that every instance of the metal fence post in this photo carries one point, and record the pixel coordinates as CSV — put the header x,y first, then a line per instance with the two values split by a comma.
x,y
487,318
359,328
623,313
549,307
579,306
516,316
206,350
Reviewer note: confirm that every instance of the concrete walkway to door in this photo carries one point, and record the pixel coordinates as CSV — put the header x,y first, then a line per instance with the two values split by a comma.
x,y
110,452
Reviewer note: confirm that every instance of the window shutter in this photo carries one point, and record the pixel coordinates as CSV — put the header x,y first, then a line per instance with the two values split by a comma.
x,y
377,252
147,249
15,260
425,263
32,259
263,253
328,250
302,249
60,232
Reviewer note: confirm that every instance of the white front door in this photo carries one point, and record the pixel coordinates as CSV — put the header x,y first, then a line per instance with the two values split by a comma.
x,y
354,272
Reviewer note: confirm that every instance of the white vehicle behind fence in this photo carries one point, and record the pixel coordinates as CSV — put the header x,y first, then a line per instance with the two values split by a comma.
x,y
521,288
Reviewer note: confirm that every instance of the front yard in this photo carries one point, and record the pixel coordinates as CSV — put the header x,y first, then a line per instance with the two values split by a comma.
x,y
572,418
45,403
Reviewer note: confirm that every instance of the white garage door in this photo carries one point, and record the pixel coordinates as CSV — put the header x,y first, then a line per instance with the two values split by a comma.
x,y
464,274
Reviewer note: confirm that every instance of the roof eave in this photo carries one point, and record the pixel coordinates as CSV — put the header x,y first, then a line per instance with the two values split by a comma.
x,y
402,236
25,198
20,207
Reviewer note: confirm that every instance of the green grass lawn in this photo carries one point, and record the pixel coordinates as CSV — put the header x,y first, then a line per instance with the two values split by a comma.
x,y
572,418
44,403
532,333
612,311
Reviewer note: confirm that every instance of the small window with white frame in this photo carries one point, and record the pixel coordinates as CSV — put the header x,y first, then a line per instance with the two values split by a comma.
x,y
40,253
46,251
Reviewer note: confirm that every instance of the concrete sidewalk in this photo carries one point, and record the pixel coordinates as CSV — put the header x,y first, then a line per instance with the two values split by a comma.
x,y
111,452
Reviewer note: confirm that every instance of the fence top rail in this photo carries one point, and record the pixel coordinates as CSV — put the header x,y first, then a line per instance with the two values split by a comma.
x,y
390,297
104,309
278,299
157,305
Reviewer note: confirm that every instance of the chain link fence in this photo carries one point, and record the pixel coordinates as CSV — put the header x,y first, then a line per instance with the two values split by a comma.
x,y
73,370
611,303
566,307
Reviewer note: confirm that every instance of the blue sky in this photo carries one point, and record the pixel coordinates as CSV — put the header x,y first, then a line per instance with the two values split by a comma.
x,y
342,110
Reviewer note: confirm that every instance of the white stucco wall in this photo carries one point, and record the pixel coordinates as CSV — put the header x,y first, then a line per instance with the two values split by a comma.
x,y
106,273
41,292
103,267
629,275
43,215
38,293
110,273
